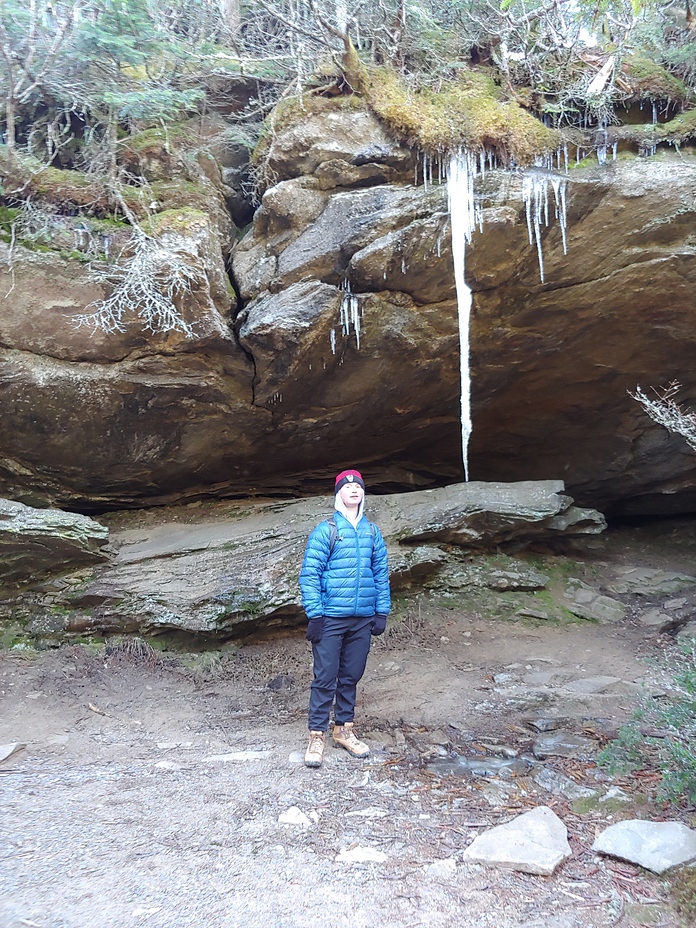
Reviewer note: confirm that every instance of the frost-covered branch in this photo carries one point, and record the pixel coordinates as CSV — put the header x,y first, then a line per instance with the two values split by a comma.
x,y
667,412
149,285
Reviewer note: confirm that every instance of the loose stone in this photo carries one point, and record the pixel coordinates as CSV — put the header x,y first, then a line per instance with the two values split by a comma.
x,y
657,846
294,816
7,750
536,842
360,855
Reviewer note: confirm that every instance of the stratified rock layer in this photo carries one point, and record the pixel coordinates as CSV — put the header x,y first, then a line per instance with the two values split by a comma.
x,y
35,542
278,393
246,568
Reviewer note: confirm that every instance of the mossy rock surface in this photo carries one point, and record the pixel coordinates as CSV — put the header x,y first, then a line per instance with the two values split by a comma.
x,y
180,221
651,81
183,194
155,153
680,130
66,190
292,111
465,113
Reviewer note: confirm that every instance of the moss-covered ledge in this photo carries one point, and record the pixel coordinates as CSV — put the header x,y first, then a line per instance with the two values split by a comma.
x,y
464,113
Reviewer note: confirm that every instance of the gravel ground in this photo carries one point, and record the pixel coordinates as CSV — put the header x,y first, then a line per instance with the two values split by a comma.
x,y
151,785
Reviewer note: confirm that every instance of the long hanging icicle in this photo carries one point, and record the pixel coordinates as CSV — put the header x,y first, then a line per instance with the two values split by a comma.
x,y
349,314
460,196
535,193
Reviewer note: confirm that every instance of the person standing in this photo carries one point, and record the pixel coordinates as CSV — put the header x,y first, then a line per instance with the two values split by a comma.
x,y
345,595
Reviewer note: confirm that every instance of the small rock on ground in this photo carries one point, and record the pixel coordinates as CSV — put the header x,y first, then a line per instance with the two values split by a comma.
x,y
360,855
536,842
657,846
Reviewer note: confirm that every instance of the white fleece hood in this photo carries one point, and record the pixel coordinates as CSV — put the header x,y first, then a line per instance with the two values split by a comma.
x,y
340,506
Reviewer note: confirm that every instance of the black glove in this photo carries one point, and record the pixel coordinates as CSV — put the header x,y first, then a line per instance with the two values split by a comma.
x,y
314,630
379,623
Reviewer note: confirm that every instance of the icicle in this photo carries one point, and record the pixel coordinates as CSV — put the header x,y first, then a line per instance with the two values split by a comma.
x,y
654,112
558,185
460,194
333,341
425,170
536,201
614,150
349,315
403,265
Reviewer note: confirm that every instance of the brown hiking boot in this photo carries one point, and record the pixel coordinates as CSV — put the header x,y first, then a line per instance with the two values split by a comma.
x,y
315,749
344,736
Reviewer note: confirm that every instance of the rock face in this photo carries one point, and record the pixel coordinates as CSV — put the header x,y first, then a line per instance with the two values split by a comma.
x,y
304,377
34,542
246,568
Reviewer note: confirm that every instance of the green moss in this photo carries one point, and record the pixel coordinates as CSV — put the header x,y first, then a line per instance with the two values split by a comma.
x,y
651,81
680,129
13,635
619,808
180,195
181,220
677,131
68,189
466,113
154,140
7,218
74,255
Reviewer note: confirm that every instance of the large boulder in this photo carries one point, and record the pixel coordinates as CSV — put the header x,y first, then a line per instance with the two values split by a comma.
x,y
345,348
552,363
335,131
91,416
246,566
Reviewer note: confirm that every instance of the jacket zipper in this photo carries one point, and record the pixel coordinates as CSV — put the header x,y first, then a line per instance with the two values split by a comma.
x,y
357,579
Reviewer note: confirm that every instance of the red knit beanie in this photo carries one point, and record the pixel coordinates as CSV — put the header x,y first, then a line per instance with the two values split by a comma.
x,y
348,476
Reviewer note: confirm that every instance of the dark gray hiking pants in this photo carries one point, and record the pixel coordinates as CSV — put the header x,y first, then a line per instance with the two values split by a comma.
x,y
339,663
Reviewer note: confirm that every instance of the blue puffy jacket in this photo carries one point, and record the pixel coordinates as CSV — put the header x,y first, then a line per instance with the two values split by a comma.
x,y
353,579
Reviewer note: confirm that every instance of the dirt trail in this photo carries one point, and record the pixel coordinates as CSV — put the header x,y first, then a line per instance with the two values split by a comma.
x,y
149,792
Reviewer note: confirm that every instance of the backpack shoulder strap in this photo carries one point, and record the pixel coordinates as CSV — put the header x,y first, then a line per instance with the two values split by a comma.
x,y
333,534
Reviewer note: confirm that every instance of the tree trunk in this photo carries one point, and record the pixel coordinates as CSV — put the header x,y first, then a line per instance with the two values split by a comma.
x,y
10,112
231,13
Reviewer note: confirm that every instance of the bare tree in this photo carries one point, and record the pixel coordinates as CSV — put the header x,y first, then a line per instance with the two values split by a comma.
x,y
231,15
665,410
150,285
32,38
